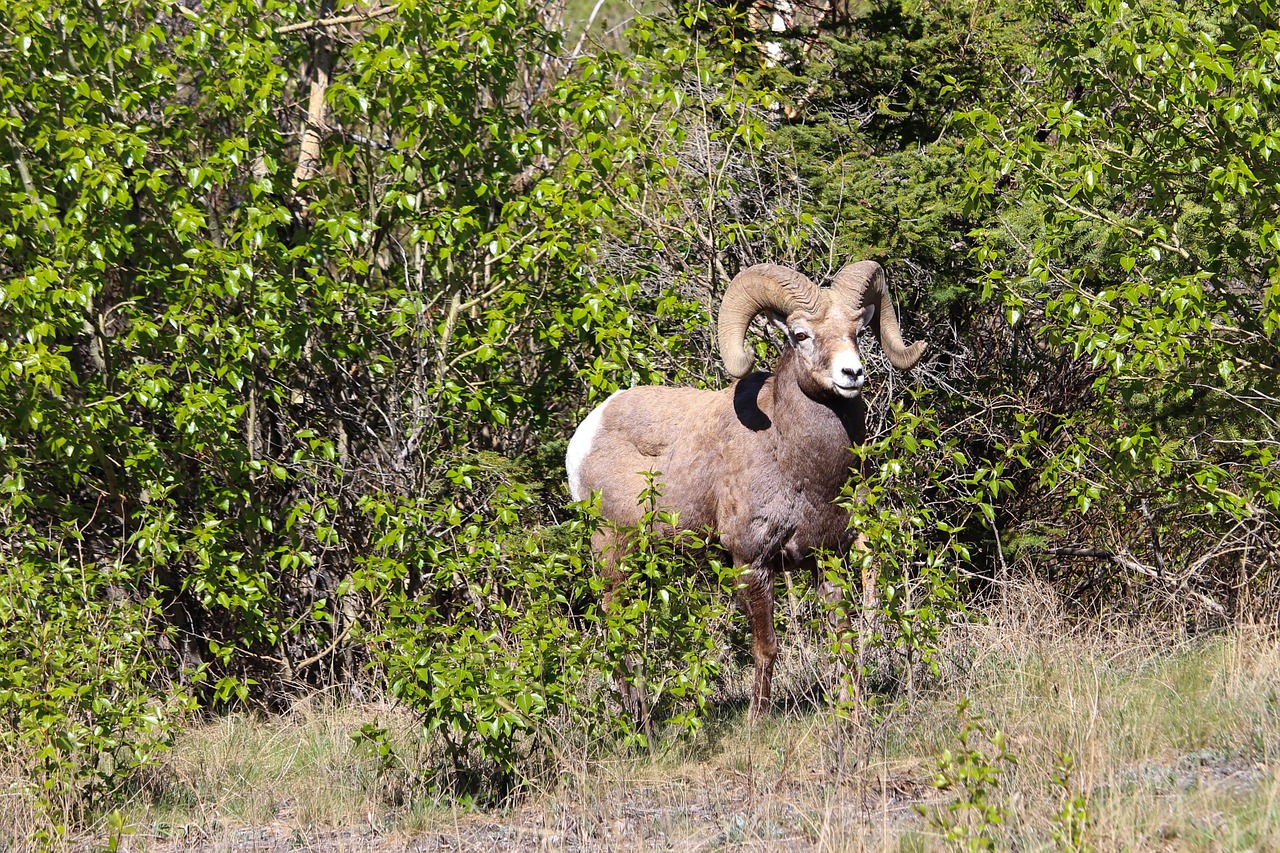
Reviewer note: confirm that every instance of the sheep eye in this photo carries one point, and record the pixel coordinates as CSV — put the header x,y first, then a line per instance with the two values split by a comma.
x,y
801,337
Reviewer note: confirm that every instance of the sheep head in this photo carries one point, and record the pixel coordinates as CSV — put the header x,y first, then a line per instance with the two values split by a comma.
x,y
820,325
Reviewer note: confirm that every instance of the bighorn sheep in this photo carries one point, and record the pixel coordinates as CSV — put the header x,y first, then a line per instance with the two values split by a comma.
x,y
761,463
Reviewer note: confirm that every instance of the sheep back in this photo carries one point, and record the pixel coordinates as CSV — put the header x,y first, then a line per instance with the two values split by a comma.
x,y
723,462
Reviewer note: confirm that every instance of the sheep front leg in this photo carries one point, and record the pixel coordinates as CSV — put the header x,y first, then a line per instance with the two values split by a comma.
x,y
756,596
841,623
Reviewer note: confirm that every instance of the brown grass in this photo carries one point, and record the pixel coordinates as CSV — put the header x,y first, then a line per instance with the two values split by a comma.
x,y
1175,741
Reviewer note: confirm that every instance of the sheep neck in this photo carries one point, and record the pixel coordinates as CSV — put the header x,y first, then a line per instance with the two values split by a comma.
x,y
815,433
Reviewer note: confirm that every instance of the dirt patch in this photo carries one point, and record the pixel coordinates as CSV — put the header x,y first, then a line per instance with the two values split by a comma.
x,y
695,813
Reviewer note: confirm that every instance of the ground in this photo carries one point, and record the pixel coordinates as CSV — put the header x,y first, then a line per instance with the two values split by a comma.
x,y
1119,738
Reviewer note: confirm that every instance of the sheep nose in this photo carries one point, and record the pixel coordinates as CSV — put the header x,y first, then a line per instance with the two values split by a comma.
x,y
856,375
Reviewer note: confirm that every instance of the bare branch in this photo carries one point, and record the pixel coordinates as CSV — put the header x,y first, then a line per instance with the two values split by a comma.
x,y
338,21
1127,561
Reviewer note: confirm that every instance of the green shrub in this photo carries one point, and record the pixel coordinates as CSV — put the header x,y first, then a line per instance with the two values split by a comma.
x,y
666,632
84,703
919,507
479,632
495,634
973,770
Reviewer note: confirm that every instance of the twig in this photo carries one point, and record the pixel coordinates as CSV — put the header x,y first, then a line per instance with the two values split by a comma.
x,y
586,29
338,21
1155,536
1128,562
1138,232
23,171
337,641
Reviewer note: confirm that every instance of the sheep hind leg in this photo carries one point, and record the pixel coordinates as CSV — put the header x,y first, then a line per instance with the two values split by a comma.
x,y
756,597
607,544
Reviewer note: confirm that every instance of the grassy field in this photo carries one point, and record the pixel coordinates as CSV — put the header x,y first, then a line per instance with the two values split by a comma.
x,y
1174,741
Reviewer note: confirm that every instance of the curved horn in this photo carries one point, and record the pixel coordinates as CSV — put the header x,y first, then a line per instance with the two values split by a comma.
x,y
865,282
763,287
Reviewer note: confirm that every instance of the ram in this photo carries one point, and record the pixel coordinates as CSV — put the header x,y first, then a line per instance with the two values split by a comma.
x,y
761,463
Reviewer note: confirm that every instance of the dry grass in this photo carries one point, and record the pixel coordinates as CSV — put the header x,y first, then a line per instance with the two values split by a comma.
x,y
20,812
1175,742
294,772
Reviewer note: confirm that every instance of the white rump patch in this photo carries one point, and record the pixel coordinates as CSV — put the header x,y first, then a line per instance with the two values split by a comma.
x,y
580,447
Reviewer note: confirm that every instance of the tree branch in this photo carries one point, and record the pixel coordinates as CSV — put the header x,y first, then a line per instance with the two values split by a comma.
x,y
1128,562
335,22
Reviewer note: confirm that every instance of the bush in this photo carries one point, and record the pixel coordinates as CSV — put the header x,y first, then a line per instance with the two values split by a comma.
x,y
488,644
1146,148
666,632
500,642
84,700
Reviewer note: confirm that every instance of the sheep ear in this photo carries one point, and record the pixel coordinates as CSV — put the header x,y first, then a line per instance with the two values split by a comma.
x,y
779,322
868,316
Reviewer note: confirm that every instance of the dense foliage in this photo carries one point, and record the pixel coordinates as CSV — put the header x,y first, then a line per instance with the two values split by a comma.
x,y
269,288
1144,157
300,300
